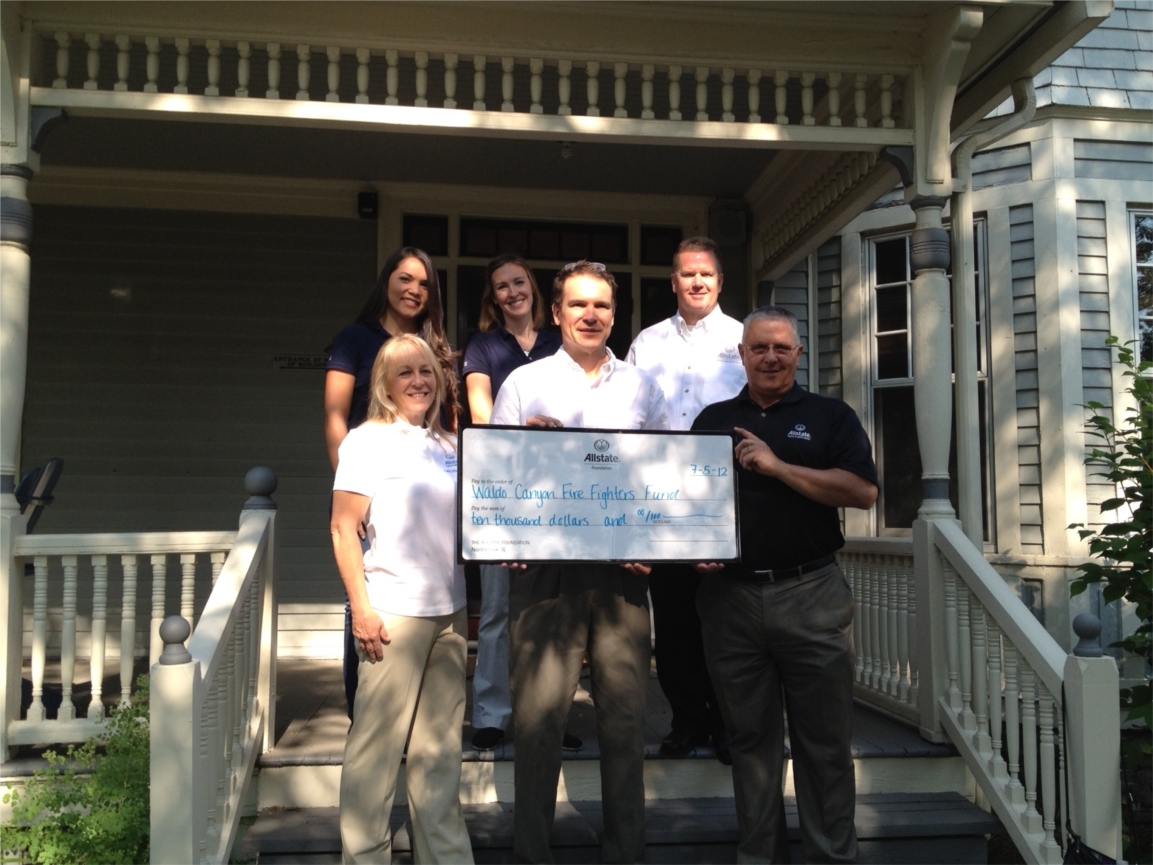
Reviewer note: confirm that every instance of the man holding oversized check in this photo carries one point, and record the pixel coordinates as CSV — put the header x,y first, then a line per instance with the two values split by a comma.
x,y
557,610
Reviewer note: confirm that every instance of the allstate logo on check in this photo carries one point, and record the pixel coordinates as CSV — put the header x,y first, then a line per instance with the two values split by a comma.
x,y
602,456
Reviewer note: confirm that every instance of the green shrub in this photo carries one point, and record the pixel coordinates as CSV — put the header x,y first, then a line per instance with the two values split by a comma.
x,y
88,807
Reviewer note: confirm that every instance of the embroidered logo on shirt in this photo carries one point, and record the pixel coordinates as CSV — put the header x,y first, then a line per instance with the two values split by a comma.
x,y
798,432
729,354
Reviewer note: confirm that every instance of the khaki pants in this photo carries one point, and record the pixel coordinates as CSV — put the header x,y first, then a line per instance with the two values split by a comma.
x,y
556,612
416,694
776,648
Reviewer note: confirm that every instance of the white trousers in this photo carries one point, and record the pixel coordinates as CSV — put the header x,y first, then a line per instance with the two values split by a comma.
x,y
491,703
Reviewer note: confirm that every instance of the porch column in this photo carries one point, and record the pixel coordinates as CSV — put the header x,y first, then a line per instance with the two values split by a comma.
x,y
932,374
15,235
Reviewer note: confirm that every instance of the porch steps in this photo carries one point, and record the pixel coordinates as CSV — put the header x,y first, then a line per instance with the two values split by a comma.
x,y
892,828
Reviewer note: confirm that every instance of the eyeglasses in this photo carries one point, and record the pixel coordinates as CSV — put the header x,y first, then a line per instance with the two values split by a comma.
x,y
760,349
573,265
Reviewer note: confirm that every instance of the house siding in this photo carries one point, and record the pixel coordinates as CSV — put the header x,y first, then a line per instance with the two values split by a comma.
x,y
1028,396
1112,160
792,292
1001,166
829,371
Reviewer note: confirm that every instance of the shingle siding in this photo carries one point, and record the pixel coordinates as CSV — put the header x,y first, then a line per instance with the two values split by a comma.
x,y
1028,397
829,375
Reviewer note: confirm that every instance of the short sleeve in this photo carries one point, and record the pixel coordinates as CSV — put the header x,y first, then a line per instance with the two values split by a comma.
x,y
476,357
354,469
345,353
852,450
506,409
658,418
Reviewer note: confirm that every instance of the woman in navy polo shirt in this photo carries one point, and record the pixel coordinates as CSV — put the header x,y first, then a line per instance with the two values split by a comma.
x,y
512,318
405,299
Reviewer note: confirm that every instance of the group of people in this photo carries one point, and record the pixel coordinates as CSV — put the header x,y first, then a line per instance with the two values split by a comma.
x,y
738,646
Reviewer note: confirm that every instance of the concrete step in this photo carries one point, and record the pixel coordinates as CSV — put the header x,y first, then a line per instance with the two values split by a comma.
x,y
891,828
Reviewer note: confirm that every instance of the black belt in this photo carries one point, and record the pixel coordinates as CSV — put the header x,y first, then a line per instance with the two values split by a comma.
x,y
773,575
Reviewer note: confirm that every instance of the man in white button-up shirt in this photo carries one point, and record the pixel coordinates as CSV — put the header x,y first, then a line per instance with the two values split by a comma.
x,y
557,612
693,356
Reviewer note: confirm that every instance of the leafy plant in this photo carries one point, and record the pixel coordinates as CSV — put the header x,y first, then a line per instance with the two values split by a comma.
x,y
1121,548
89,807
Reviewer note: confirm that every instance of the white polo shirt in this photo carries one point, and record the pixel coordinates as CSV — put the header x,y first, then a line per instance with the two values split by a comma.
x,y
410,475
695,365
620,397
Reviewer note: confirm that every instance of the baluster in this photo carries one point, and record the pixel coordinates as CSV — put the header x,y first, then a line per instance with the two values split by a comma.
x,y
273,91
535,84
887,121
902,630
593,87
702,76
227,692
39,635
866,580
99,629
620,70
363,55
564,87
392,76
217,560
68,640
333,53
507,65
1048,779
478,64
648,70
450,61
675,92
127,626
1032,819
859,99
754,77
187,585
914,681
727,76
853,572
980,677
1016,792
93,42
965,640
1062,768
63,59
781,96
213,87
255,636
421,60
243,68
834,82
205,760
996,762
883,606
952,638
152,64
807,79
303,71
874,622
212,769
123,44
182,46
237,699
895,671
159,579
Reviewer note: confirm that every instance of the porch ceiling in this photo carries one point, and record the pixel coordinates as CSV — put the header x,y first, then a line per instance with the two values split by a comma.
x,y
97,142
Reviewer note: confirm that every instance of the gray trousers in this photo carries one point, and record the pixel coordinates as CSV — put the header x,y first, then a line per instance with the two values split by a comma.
x,y
786,647
556,612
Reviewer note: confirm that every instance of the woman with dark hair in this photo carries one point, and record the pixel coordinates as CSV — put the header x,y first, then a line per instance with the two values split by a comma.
x,y
512,317
397,478
405,299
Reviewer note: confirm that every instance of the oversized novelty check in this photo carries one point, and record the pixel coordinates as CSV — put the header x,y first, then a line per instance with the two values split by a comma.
x,y
531,495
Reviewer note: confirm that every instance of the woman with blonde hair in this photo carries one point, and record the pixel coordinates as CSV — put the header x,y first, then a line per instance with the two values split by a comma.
x,y
396,475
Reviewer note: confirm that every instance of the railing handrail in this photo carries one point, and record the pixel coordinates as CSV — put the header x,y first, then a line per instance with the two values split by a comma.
x,y
1036,644
121,543
878,546
219,614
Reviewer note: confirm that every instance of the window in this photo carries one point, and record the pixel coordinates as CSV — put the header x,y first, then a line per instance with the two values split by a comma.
x,y
891,380
1143,262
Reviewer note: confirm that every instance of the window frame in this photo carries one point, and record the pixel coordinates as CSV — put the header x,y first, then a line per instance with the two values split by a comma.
x,y
1134,214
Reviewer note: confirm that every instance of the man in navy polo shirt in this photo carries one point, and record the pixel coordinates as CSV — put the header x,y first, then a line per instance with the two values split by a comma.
x,y
778,627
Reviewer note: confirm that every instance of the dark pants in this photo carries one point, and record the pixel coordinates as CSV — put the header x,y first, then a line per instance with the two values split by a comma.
x,y
786,647
556,613
680,651
351,660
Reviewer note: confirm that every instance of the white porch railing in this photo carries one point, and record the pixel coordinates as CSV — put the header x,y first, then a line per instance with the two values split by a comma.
x,y
67,568
213,704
